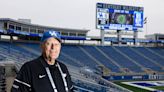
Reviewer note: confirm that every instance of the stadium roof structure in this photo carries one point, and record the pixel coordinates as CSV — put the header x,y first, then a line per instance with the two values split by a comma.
x,y
42,26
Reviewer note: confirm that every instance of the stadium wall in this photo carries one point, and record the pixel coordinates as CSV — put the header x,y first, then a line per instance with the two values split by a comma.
x,y
135,77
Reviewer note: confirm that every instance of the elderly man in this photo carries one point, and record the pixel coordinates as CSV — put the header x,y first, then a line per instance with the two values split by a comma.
x,y
44,74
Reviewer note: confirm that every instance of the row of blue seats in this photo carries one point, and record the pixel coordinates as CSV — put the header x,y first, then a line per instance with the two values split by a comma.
x,y
13,51
136,62
114,58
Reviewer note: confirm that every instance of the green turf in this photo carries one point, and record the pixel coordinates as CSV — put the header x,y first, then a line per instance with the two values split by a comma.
x,y
134,89
158,87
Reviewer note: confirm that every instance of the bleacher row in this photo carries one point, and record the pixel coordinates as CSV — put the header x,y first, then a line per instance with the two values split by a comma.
x,y
12,52
116,59
134,59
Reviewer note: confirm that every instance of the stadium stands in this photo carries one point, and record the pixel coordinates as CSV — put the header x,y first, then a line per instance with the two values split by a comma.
x,y
14,52
133,59
147,57
88,58
72,50
92,50
2,58
118,58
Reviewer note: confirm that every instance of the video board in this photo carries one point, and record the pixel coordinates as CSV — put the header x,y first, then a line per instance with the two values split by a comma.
x,y
118,17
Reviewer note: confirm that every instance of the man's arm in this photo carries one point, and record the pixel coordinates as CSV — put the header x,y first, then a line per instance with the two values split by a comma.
x,y
22,81
69,81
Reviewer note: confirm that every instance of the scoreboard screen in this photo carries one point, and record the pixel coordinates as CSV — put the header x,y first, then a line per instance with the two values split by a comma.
x,y
118,17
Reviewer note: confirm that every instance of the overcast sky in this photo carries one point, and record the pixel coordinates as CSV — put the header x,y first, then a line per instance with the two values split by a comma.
x,y
78,14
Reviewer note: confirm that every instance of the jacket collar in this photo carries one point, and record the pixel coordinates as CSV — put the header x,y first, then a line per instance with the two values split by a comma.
x,y
44,62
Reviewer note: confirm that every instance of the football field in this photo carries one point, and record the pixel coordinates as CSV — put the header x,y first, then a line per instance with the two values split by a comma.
x,y
155,86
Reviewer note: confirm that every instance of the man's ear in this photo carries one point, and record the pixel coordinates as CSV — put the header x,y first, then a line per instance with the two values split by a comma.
x,y
42,46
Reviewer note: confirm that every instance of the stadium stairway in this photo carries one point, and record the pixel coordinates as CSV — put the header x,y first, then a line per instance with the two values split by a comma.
x,y
76,53
124,51
156,56
75,62
151,64
116,66
100,65
89,55
11,55
35,52
14,53
118,58
85,81
154,52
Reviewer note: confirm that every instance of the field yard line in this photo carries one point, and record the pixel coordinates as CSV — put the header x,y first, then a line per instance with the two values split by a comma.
x,y
138,86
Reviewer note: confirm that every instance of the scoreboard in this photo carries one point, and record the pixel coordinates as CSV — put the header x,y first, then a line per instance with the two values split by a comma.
x,y
118,17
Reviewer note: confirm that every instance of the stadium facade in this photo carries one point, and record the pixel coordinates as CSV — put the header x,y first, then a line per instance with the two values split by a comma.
x,y
23,27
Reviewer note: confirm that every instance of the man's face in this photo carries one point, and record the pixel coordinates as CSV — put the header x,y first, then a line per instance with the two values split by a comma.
x,y
51,48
